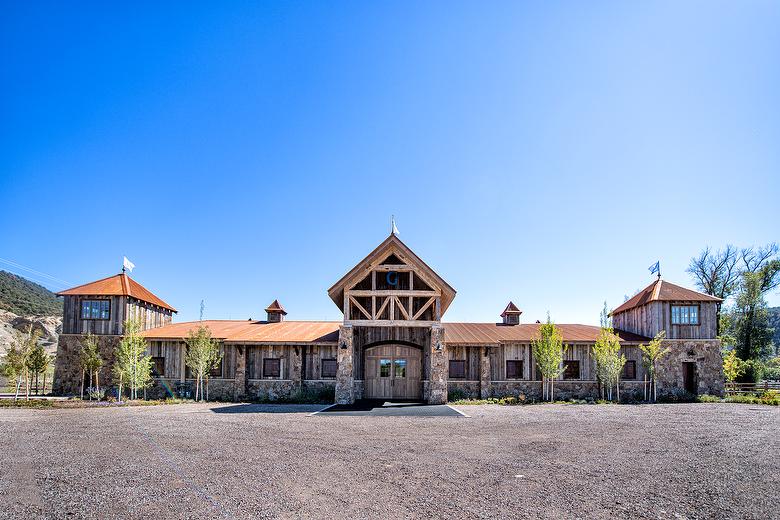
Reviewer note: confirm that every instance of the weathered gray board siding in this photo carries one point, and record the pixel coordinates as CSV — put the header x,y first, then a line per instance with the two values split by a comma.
x,y
648,320
471,356
314,354
255,354
173,351
122,308
577,352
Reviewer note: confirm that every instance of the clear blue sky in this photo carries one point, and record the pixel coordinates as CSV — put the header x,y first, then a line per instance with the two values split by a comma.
x,y
543,152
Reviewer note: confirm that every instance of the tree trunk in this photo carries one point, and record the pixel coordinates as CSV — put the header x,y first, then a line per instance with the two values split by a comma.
x,y
97,383
89,389
44,382
27,385
552,389
18,387
82,383
207,388
36,382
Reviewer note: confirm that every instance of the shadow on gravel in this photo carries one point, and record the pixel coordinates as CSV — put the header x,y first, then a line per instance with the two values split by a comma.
x,y
371,408
269,408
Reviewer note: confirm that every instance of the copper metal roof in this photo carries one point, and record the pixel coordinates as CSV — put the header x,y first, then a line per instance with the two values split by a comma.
x,y
511,308
254,331
118,285
328,332
494,333
275,307
661,290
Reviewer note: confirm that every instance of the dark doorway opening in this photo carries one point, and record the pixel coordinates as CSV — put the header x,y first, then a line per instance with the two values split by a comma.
x,y
690,377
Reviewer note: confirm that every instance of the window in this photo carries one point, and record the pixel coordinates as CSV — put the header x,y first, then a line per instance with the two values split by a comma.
x,y
272,367
95,309
629,370
457,368
514,369
158,366
400,368
685,314
329,367
384,368
217,370
571,369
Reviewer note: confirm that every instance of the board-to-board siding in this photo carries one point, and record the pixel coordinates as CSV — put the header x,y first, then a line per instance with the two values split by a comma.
x,y
256,353
121,308
173,353
648,320
314,354
471,355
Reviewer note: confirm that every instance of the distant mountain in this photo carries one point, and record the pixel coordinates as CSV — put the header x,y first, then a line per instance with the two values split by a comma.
x,y
23,297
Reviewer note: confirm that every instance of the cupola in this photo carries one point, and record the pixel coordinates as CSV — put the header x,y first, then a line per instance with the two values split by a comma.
x,y
511,314
276,312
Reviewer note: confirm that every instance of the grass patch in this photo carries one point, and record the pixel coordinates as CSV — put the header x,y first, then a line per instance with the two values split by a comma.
x,y
22,403
770,398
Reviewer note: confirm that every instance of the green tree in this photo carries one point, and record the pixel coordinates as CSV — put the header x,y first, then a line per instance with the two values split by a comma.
x,y
547,350
15,362
733,367
38,363
609,362
132,365
90,361
651,355
201,357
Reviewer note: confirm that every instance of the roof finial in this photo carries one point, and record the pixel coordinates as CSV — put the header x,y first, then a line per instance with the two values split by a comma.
x,y
393,228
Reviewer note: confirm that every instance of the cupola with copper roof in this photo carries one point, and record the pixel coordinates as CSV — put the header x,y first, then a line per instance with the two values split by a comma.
x,y
511,314
276,312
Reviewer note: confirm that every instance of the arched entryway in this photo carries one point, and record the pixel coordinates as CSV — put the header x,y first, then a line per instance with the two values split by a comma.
x,y
393,371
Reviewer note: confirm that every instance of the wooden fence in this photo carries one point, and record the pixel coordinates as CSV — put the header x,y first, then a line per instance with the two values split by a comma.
x,y
752,388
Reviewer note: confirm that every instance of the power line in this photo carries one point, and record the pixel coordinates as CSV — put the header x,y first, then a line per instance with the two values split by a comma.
x,y
54,279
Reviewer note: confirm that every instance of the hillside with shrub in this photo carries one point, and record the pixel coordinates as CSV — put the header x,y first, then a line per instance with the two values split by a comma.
x,y
23,297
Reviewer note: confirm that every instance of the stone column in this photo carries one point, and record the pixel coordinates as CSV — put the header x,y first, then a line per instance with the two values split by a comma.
x,y
239,382
296,368
438,364
345,380
484,373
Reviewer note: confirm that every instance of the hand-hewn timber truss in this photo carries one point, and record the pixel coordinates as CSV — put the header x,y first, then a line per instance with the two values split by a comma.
x,y
392,287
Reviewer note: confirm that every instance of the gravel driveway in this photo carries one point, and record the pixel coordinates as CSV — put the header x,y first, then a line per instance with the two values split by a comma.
x,y
542,461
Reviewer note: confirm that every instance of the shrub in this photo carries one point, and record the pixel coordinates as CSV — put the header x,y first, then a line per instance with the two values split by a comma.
x,y
456,395
706,398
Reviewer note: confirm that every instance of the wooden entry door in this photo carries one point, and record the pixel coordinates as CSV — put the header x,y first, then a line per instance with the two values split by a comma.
x,y
393,372
690,377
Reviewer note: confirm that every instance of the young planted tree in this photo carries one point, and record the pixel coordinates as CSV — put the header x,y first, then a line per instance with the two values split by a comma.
x,y
16,359
548,352
733,368
90,362
651,354
609,362
202,356
37,363
132,366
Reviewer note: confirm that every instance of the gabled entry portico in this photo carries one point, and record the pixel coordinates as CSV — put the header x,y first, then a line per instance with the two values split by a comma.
x,y
391,344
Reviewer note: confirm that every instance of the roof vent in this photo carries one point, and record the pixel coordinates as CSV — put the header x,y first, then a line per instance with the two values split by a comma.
x,y
276,312
511,314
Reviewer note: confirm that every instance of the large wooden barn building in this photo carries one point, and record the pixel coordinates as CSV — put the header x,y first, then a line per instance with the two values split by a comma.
x,y
392,342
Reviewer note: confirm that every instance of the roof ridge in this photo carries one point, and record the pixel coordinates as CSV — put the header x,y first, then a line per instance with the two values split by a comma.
x,y
88,283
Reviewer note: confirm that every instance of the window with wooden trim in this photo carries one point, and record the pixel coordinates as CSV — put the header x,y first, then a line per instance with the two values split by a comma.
x,y
571,369
514,369
384,367
328,368
629,370
272,367
217,370
457,369
95,309
685,314
158,366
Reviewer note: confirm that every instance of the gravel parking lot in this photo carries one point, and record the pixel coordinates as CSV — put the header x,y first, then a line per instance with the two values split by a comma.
x,y
543,461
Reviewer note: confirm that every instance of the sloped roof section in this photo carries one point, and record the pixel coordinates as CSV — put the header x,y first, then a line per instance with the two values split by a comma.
x,y
276,307
254,331
118,285
511,308
495,333
661,290
391,245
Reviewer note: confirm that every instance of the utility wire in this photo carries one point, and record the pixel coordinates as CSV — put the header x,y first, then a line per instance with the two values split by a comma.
x,y
50,278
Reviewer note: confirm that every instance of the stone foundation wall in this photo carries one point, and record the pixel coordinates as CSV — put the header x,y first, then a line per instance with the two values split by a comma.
x,y
67,372
706,353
